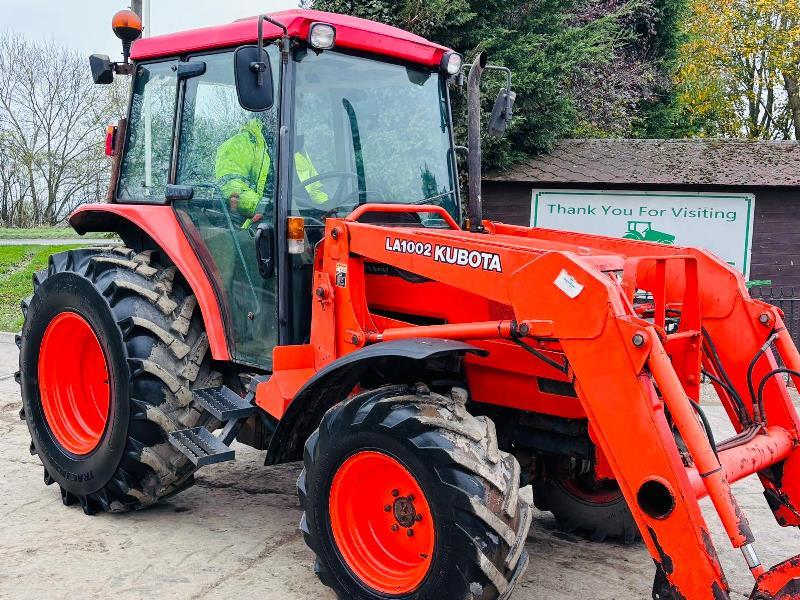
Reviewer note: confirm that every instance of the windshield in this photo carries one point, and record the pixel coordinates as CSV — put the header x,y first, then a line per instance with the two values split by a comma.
x,y
369,131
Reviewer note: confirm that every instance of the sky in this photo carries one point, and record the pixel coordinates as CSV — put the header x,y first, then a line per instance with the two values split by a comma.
x,y
86,24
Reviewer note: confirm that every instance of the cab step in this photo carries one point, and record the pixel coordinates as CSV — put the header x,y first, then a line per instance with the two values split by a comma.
x,y
225,404
201,447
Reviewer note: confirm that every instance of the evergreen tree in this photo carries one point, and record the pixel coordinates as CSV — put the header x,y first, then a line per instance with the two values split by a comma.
x,y
581,67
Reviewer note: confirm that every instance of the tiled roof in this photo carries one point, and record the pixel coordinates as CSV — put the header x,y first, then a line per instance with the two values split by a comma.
x,y
663,162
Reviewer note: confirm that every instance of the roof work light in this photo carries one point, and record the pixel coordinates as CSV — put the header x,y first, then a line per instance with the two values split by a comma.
x,y
322,36
451,63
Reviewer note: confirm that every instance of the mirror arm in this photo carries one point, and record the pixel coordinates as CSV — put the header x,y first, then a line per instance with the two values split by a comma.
x,y
509,104
259,68
286,45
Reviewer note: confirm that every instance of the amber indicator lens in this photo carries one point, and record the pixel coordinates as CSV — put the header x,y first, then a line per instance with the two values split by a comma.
x,y
296,234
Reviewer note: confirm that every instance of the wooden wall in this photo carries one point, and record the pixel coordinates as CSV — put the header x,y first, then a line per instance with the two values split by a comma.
x,y
776,238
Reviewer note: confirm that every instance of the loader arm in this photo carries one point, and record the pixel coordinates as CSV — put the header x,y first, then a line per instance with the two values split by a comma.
x,y
570,305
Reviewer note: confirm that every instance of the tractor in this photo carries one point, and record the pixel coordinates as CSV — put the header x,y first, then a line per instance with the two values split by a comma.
x,y
297,272
643,230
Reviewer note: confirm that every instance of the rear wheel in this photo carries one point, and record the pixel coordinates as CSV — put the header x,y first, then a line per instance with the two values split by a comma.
x,y
110,351
407,496
597,510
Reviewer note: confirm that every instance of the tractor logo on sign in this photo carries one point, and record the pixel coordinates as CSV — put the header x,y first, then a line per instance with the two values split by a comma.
x,y
644,232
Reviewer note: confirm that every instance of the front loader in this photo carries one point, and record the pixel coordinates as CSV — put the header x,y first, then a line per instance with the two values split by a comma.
x,y
294,275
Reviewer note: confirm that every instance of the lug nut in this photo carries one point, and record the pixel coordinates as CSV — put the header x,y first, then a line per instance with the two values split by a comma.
x,y
395,493
395,527
638,340
387,508
410,497
418,517
764,319
410,532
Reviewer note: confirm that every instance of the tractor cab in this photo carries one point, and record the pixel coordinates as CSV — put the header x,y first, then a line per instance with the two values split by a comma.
x,y
256,144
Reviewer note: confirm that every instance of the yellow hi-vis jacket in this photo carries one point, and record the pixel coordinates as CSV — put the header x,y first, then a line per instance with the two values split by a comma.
x,y
242,168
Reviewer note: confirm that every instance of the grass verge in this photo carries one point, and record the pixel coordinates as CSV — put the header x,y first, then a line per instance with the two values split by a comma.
x,y
42,233
17,266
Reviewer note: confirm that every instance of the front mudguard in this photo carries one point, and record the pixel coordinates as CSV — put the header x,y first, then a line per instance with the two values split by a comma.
x,y
401,361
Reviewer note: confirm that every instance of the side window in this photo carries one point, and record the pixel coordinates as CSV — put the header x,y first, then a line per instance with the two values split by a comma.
x,y
226,151
145,166
228,156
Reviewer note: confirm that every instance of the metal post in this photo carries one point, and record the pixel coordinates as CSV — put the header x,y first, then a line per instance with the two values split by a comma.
x,y
146,18
136,6
474,206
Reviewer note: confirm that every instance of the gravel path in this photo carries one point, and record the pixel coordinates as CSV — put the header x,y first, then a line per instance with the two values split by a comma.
x,y
235,532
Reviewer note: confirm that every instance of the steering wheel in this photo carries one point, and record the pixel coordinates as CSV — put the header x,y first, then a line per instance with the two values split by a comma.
x,y
333,201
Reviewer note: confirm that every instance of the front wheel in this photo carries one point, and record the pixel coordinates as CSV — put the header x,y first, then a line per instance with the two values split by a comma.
x,y
406,495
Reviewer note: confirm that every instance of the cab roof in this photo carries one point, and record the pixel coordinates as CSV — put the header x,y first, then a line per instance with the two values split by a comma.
x,y
352,33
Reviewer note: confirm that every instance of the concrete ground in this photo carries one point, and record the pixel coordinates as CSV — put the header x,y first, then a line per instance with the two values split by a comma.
x,y
235,535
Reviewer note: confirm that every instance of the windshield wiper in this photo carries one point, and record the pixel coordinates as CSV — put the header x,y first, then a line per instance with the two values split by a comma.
x,y
357,151
427,200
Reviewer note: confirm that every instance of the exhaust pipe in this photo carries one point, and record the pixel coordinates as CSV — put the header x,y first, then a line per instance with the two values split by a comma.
x,y
475,202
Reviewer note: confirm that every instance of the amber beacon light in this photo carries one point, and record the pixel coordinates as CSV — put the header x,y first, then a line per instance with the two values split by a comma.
x,y
127,26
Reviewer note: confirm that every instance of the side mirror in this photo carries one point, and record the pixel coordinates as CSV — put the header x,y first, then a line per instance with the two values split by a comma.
x,y
254,79
102,69
502,113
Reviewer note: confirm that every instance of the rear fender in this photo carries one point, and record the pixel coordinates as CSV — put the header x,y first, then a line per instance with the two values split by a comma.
x,y
138,225
402,361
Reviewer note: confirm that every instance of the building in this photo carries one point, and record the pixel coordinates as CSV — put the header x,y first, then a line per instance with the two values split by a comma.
x,y
741,199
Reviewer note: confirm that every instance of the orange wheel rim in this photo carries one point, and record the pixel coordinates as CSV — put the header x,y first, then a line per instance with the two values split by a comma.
x,y
604,494
73,383
382,523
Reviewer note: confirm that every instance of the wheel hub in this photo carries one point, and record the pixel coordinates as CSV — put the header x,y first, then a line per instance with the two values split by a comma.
x,y
382,523
74,383
404,511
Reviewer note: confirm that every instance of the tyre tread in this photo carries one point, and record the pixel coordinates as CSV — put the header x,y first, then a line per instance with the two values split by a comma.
x,y
147,300
494,527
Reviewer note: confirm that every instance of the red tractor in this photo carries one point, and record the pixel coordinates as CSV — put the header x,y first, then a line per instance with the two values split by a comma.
x,y
294,275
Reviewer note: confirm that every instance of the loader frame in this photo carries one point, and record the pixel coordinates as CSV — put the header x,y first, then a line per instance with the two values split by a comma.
x,y
635,382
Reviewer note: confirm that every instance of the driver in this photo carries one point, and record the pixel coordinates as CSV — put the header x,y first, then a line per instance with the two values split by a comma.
x,y
243,167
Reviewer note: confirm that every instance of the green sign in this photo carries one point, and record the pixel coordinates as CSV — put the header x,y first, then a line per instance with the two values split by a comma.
x,y
720,223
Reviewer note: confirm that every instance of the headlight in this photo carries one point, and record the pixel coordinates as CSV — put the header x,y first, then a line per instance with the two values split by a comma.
x,y
451,63
322,36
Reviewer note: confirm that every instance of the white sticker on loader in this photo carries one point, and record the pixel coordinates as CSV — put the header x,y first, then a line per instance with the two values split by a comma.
x,y
568,284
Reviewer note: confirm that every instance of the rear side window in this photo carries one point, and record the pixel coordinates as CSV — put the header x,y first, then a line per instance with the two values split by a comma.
x,y
145,165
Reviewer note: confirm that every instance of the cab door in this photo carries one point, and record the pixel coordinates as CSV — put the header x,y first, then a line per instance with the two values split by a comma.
x,y
216,204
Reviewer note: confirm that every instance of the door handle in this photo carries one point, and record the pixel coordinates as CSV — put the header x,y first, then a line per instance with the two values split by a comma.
x,y
265,250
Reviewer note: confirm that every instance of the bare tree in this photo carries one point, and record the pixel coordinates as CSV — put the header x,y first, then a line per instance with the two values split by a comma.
x,y
52,120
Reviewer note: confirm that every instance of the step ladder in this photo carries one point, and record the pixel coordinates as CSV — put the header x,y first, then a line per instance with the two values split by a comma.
x,y
199,444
